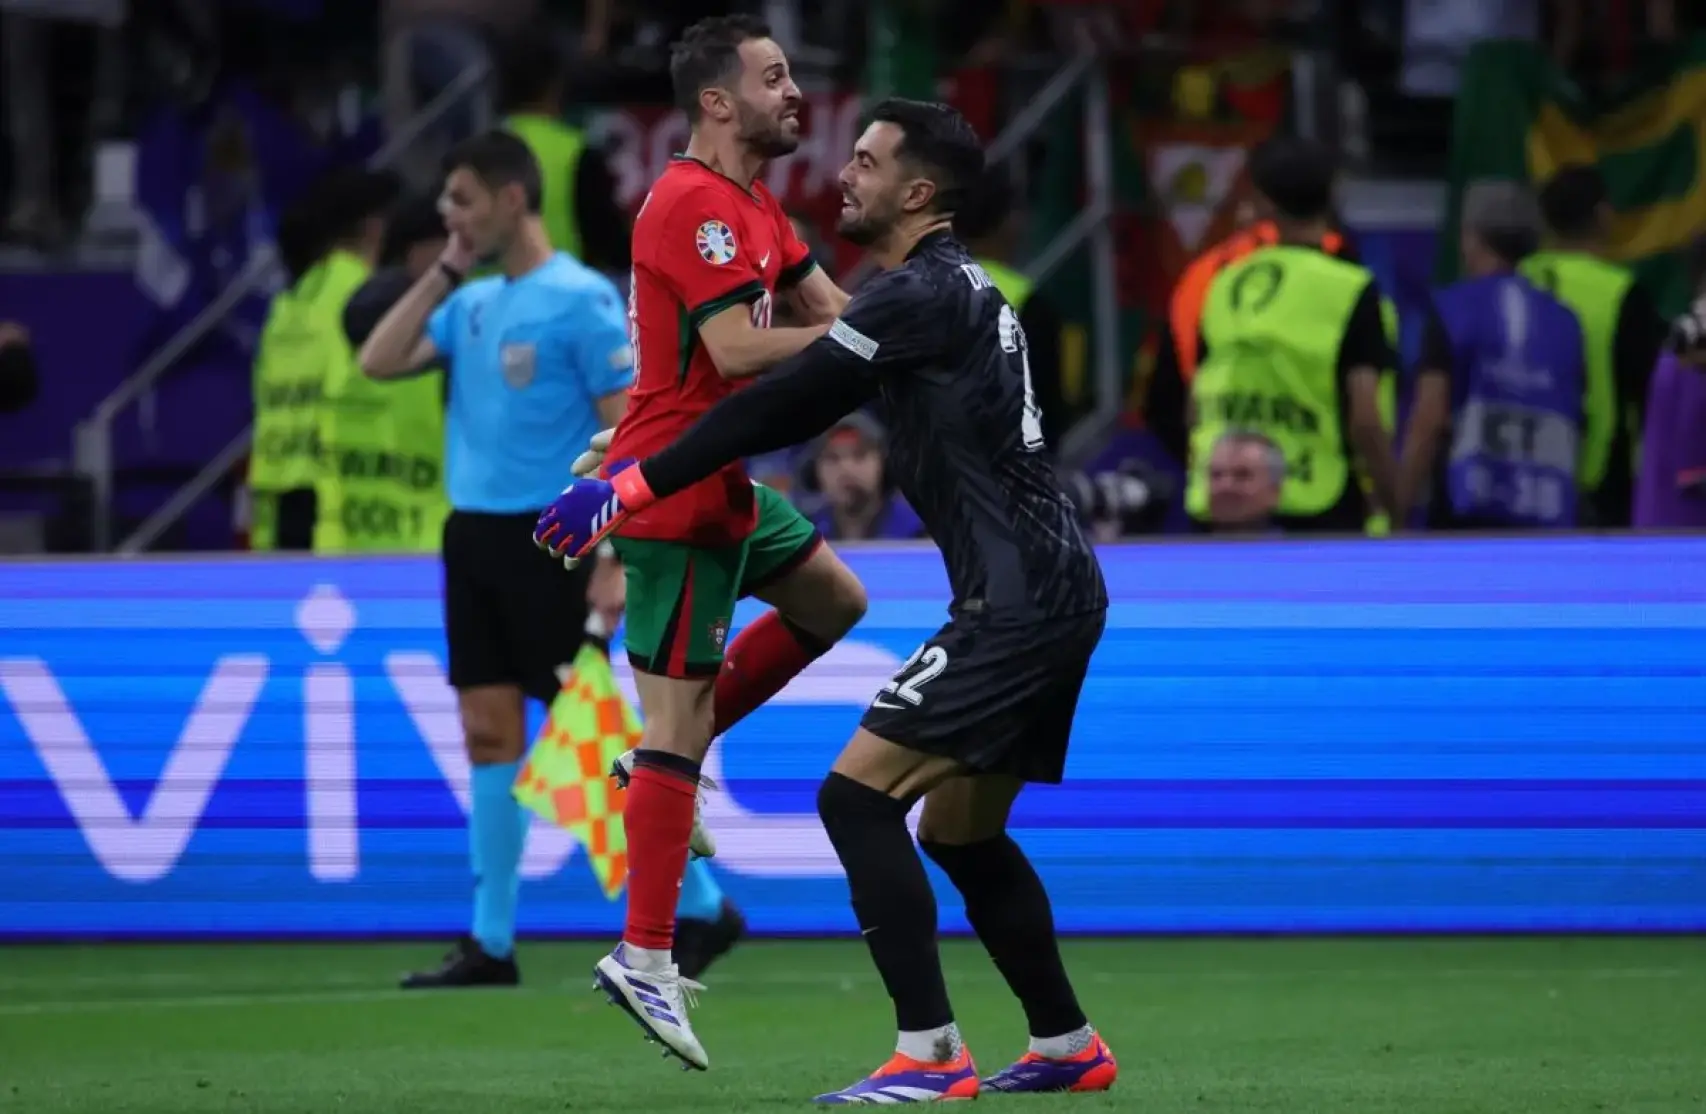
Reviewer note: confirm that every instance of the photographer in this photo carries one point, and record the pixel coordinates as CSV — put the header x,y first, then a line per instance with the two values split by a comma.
x,y
1670,493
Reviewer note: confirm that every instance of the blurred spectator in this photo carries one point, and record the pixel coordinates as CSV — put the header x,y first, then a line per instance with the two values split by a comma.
x,y
1502,370
1671,491
578,204
1246,471
19,380
991,223
428,44
847,470
329,240
1621,327
414,238
1177,355
1294,346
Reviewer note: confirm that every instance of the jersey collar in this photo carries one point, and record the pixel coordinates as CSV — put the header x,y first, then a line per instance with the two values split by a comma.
x,y
684,157
930,240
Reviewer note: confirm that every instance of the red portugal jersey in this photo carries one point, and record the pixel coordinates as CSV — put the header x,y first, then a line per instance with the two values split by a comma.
x,y
702,244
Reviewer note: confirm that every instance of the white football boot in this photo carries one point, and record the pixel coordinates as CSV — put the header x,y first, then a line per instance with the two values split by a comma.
x,y
658,1000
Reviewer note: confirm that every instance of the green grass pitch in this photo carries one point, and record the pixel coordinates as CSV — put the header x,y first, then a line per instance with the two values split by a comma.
x,y
1376,1026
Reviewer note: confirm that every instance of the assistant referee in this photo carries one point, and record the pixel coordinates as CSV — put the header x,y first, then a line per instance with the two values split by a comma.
x,y
539,360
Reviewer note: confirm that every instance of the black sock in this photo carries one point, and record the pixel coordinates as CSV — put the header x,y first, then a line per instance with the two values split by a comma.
x,y
891,897
1009,910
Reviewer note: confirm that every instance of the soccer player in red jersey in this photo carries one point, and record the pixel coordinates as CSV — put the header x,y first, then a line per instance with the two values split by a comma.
x,y
712,252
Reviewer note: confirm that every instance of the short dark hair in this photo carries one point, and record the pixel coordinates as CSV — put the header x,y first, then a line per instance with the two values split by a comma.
x,y
1570,200
332,210
533,66
708,55
986,206
499,158
414,220
939,140
1296,176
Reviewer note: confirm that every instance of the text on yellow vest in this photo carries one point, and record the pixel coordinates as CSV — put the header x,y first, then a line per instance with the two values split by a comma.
x,y
1273,323
379,485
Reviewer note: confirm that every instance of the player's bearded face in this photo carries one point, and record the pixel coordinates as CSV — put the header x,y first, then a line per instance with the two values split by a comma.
x,y
770,129
766,101
872,188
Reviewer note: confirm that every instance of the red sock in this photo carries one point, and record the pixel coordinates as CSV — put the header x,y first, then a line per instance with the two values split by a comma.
x,y
659,818
760,662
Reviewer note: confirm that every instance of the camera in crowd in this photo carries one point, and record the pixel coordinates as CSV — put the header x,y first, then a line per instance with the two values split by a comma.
x,y
1134,496
1688,334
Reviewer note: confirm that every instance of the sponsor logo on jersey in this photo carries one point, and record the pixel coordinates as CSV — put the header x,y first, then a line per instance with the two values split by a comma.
x,y
716,243
853,340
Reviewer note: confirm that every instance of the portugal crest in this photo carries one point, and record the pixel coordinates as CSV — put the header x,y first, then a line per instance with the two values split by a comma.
x,y
716,243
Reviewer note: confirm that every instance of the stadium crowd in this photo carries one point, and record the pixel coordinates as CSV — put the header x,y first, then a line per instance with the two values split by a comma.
x,y
1198,448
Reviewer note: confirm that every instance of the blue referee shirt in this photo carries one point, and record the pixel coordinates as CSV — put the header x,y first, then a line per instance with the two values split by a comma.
x,y
529,359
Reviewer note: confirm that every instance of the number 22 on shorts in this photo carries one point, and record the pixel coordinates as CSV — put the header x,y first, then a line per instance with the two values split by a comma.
x,y
925,665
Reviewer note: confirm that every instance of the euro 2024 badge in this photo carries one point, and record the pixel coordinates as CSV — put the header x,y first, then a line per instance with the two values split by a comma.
x,y
517,360
716,243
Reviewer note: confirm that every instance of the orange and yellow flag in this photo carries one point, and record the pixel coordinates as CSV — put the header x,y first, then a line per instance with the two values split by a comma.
x,y
566,778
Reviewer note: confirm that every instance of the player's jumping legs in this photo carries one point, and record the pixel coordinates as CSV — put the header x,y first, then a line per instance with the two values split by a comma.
x,y
964,831
863,803
680,603
815,597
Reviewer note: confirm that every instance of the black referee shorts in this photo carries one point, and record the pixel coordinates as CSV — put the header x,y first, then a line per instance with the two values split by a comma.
x,y
999,698
512,614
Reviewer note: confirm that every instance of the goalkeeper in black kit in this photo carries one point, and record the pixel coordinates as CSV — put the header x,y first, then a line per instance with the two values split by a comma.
x,y
986,704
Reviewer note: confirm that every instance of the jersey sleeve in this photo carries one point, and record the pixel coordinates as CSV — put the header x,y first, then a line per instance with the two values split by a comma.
x,y
595,341
886,328
441,326
697,250
797,260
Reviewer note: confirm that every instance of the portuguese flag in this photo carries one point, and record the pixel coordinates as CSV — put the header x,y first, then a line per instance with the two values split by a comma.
x,y
1520,117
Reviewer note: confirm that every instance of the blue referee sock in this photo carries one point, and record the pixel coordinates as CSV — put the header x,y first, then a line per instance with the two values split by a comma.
x,y
497,832
701,897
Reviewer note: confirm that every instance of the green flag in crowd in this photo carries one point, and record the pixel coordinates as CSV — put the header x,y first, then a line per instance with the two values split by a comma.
x,y
1520,117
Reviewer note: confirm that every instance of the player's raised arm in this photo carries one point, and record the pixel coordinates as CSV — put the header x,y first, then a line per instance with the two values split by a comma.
x,y
404,342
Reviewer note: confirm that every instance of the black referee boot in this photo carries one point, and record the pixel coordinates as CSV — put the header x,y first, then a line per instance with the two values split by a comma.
x,y
465,964
698,944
